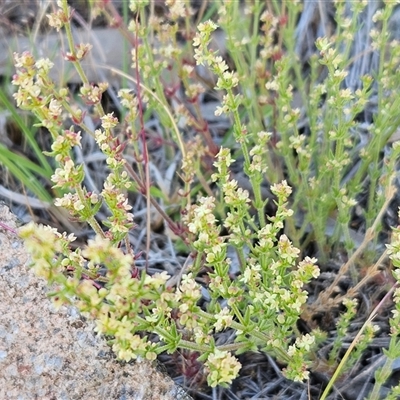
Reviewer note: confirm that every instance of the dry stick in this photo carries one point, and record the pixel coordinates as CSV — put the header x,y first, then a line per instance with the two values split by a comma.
x,y
169,221
367,372
369,235
374,270
176,279
355,340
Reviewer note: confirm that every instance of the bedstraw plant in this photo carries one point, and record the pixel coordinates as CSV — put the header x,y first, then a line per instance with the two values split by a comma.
x,y
145,315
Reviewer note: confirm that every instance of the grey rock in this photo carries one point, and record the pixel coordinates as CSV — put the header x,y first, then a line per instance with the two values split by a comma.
x,y
48,354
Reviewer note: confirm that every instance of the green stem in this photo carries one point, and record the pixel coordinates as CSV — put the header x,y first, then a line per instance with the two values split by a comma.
x,y
76,64
91,220
282,355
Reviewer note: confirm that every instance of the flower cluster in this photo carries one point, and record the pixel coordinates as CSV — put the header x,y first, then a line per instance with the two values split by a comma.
x,y
117,181
43,242
298,354
227,80
223,368
92,94
257,153
35,89
187,295
246,277
60,17
393,250
36,93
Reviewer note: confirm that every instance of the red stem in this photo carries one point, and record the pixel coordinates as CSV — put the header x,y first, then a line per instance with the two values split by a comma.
x,y
8,228
143,139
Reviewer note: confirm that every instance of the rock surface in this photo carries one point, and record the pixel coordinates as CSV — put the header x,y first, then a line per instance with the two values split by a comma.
x,y
48,354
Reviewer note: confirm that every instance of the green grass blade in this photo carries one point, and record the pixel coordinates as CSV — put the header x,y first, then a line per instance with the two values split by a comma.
x,y
28,133
23,170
